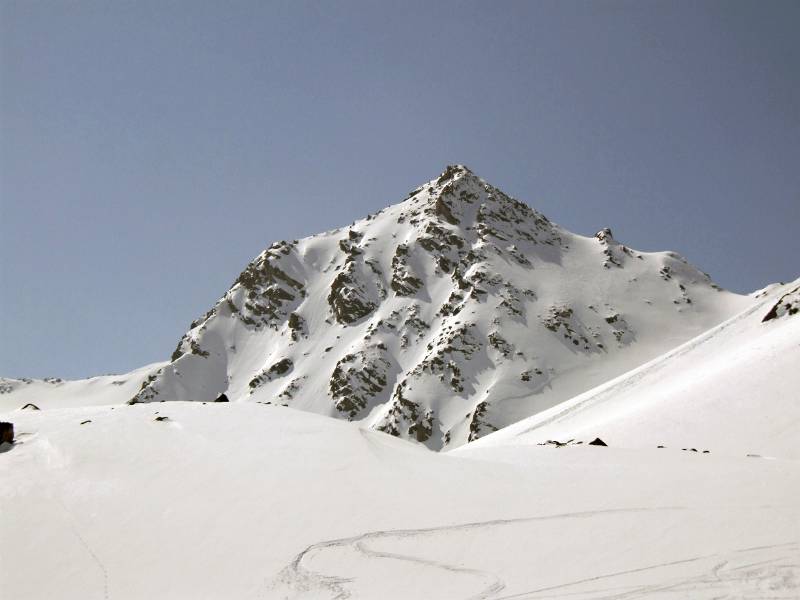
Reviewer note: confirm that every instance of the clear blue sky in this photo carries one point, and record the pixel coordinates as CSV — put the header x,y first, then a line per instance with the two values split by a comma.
x,y
150,149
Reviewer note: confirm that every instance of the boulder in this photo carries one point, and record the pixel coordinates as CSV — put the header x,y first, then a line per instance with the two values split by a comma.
x,y
6,433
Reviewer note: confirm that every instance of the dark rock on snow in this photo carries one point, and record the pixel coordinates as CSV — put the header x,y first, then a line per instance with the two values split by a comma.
x,y
6,433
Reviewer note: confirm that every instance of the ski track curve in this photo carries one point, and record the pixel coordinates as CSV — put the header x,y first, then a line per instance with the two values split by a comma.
x,y
773,578
301,580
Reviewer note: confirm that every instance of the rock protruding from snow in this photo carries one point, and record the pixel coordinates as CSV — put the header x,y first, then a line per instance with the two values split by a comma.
x,y
359,378
404,280
787,304
6,433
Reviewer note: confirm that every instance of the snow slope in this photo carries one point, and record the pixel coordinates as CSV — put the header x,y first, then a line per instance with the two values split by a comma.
x,y
243,500
439,319
734,389
54,392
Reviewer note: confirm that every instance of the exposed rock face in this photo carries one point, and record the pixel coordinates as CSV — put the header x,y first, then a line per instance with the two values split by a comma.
x,y
297,325
278,369
348,297
787,305
478,423
359,378
268,289
404,281
439,319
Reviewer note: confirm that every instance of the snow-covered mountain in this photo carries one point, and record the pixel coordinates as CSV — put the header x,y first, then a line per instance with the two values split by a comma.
x,y
440,319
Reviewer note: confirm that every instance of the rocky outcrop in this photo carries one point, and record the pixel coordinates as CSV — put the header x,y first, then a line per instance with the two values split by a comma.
x,y
349,297
406,418
269,290
787,305
359,378
274,371
404,281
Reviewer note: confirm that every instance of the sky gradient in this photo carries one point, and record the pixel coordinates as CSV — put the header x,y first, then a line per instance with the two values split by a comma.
x,y
149,150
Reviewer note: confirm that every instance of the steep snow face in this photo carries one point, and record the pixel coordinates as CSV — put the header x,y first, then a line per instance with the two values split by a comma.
x,y
442,318
731,390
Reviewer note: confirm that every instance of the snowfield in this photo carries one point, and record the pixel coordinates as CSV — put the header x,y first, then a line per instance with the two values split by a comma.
x,y
251,501
510,358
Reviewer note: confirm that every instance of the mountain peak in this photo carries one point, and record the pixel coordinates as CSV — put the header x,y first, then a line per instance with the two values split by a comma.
x,y
452,171
439,319
468,206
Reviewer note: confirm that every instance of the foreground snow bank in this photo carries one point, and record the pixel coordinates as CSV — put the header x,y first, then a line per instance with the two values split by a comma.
x,y
253,501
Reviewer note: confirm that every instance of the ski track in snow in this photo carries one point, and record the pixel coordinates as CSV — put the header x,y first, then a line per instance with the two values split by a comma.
x,y
301,580
73,525
763,572
774,578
